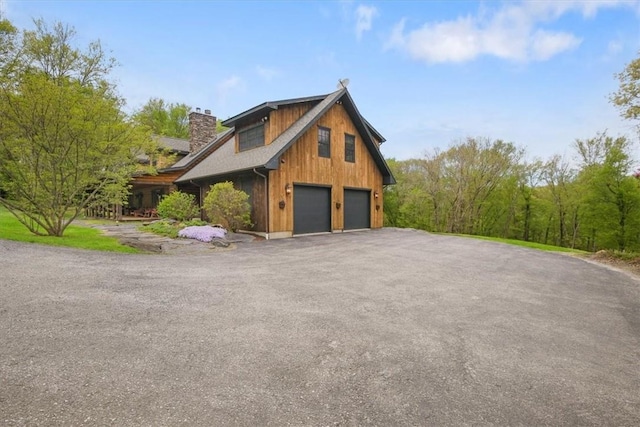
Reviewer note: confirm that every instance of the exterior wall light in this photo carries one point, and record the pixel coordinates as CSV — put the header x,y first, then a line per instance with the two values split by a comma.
x,y
376,195
287,188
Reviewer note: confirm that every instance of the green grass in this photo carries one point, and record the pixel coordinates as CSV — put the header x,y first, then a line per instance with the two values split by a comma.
x,y
74,236
531,245
169,229
162,228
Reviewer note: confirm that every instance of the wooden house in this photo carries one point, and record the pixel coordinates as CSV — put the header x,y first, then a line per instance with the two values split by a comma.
x,y
309,165
146,189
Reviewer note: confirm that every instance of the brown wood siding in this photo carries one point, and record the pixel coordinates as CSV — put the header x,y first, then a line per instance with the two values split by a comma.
x,y
303,166
165,178
279,121
259,213
282,119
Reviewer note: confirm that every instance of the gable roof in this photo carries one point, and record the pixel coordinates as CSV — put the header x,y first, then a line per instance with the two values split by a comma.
x,y
177,145
225,160
192,157
259,111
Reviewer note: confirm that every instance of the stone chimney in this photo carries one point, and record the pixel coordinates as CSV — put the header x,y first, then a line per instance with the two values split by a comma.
x,y
202,129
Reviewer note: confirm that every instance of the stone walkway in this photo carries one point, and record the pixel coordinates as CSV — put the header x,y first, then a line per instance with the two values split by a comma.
x,y
130,234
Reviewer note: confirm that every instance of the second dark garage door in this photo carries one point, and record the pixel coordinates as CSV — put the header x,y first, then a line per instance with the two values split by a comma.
x,y
357,209
311,209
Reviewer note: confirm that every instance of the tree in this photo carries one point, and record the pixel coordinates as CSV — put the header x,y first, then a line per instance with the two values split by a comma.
x,y
558,176
472,171
164,119
167,119
611,196
64,141
225,205
627,98
528,178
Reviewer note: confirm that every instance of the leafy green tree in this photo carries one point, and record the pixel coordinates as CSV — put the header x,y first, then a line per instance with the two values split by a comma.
x,y
407,203
627,97
471,171
528,179
166,119
611,196
558,175
8,34
179,206
64,140
225,205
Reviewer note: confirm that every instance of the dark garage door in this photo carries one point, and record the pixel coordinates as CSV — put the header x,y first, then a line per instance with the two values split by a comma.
x,y
357,209
311,209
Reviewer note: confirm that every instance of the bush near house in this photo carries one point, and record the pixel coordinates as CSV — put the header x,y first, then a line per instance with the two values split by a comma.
x,y
179,206
169,228
227,206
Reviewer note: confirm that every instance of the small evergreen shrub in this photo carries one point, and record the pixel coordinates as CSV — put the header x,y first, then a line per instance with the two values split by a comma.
x,y
179,206
227,206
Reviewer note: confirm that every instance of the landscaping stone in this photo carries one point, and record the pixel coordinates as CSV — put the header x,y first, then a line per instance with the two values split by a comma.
x,y
131,235
220,243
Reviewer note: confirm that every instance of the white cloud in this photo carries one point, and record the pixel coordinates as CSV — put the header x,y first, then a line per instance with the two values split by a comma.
x,y
227,87
364,19
545,44
267,73
512,32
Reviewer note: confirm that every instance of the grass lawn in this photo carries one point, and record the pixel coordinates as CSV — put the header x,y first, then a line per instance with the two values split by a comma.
x,y
74,236
531,245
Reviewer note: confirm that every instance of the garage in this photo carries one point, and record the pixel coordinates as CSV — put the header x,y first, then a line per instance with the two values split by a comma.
x,y
311,209
357,209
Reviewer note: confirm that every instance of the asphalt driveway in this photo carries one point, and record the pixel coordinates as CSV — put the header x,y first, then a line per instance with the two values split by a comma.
x,y
384,327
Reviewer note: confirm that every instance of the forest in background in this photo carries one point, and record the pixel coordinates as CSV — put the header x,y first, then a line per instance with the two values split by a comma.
x,y
589,200
487,187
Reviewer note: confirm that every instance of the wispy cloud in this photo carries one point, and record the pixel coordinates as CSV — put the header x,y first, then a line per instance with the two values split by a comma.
x,y
227,87
513,32
267,73
364,19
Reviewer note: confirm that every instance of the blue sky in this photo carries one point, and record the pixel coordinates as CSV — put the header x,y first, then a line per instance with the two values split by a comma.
x,y
424,73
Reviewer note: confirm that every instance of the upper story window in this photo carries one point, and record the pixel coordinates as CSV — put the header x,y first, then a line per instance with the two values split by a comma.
x,y
324,142
251,137
349,148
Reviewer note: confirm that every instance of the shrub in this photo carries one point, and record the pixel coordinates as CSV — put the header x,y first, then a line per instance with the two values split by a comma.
x,y
227,206
163,228
179,206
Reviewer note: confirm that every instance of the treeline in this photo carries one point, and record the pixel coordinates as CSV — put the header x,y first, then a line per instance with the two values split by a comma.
x,y
479,186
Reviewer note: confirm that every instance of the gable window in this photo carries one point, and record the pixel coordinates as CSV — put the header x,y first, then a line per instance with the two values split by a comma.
x,y
324,142
251,138
349,148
